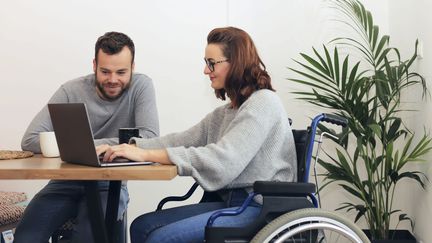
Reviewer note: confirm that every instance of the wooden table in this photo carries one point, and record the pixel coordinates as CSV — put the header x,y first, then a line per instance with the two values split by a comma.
x,y
38,167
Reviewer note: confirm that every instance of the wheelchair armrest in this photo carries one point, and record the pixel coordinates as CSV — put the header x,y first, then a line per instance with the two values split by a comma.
x,y
177,198
278,188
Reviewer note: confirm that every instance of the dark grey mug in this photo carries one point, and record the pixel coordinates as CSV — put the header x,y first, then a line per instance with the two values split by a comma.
x,y
125,134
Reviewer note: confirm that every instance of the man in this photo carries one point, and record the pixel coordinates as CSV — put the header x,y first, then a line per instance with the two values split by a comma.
x,y
115,97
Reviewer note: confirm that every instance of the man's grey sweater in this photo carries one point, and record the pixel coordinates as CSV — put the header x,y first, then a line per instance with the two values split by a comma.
x,y
232,148
135,108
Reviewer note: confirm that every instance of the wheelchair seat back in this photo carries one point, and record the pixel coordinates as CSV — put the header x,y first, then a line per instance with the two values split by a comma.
x,y
301,139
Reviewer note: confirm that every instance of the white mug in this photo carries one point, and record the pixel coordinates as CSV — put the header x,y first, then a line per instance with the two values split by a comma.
x,y
48,144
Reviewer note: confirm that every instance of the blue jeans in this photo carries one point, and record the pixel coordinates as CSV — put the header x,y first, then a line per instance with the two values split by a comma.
x,y
56,203
187,223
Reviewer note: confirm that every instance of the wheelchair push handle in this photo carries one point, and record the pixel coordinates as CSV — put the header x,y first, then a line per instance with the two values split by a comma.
x,y
331,118
335,119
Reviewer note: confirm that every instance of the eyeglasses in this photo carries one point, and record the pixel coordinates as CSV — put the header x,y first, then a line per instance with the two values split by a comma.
x,y
210,63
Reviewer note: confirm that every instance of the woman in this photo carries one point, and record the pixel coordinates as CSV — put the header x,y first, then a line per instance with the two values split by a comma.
x,y
246,140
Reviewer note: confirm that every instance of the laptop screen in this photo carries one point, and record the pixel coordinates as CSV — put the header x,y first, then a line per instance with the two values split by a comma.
x,y
73,133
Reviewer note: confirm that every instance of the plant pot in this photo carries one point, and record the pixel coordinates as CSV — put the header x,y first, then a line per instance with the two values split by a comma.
x,y
397,236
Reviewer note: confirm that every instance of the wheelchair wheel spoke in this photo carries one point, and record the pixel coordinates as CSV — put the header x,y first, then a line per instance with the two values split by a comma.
x,y
310,226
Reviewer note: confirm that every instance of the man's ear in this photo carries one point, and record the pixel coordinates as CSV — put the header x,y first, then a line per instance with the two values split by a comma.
x,y
94,65
133,66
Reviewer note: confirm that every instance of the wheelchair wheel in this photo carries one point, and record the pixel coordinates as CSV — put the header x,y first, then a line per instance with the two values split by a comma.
x,y
310,225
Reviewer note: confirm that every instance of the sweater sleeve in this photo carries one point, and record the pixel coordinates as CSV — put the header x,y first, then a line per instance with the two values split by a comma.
x,y
41,123
216,165
193,137
146,114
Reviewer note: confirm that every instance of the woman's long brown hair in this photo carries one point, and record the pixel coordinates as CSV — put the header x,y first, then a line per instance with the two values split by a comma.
x,y
247,73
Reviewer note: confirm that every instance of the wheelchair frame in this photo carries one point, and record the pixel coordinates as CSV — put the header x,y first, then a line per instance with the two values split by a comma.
x,y
282,200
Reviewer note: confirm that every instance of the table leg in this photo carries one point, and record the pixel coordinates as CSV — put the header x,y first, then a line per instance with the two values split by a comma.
x,y
96,215
111,221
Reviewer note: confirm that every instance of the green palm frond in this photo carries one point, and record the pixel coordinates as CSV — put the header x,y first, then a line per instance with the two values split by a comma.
x,y
367,92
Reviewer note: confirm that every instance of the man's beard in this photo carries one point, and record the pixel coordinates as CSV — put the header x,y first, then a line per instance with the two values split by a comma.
x,y
105,95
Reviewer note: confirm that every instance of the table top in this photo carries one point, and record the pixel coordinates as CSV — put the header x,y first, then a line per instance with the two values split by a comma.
x,y
39,167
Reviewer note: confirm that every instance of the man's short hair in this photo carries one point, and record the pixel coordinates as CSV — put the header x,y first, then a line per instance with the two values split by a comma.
x,y
113,42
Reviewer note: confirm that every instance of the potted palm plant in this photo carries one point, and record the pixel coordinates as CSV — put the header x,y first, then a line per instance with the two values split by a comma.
x,y
376,146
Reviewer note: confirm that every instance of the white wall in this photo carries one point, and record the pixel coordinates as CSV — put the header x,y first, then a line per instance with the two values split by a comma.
x,y
45,43
408,22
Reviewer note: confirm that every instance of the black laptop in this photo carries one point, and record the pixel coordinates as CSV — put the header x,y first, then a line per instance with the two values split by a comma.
x,y
75,137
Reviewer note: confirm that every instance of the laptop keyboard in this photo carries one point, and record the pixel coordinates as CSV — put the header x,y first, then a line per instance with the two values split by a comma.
x,y
116,160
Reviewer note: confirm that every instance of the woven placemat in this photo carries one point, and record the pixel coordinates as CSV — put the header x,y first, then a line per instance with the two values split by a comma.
x,y
8,198
10,213
11,154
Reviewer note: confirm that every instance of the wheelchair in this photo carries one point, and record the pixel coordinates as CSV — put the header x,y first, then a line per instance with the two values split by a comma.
x,y
290,210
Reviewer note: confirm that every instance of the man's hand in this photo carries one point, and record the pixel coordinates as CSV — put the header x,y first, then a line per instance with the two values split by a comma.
x,y
101,149
123,150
